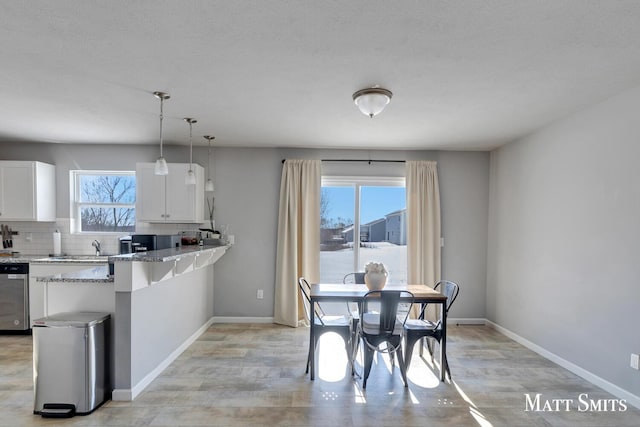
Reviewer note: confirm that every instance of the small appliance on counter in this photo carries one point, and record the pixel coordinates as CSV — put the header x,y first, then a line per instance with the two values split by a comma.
x,y
153,242
190,238
125,245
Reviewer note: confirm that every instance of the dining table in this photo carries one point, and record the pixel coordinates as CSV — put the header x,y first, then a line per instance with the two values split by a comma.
x,y
332,292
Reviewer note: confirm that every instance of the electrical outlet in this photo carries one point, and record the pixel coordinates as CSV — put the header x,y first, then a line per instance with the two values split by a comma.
x,y
260,294
635,361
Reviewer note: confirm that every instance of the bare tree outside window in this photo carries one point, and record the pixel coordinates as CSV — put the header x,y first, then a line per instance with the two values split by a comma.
x,y
106,202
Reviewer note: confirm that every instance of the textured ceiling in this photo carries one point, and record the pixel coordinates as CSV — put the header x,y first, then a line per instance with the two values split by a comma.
x,y
464,74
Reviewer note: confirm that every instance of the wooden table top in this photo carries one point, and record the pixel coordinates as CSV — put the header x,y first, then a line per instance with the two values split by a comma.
x,y
333,291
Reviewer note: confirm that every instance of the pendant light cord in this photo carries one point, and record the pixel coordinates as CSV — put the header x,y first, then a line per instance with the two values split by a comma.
x,y
209,161
190,146
161,117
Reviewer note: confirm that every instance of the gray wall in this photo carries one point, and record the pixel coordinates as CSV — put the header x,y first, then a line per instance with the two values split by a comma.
x,y
247,192
564,239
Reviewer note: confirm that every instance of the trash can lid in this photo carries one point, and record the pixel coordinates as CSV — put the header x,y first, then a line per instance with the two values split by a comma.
x,y
72,319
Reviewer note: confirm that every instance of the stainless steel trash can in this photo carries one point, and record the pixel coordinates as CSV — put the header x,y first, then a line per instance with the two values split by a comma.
x,y
70,363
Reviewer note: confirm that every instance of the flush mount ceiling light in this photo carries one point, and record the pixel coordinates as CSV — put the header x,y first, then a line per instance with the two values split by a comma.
x,y
161,164
190,178
209,185
371,101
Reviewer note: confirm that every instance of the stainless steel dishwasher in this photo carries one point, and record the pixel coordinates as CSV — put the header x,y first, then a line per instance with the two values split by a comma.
x,y
14,296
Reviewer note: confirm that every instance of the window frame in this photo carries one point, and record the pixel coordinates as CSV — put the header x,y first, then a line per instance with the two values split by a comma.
x,y
77,206
357,182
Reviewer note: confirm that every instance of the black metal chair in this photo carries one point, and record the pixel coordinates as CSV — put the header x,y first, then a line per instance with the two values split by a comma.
x,y
325,323
417,329
383,326
357,278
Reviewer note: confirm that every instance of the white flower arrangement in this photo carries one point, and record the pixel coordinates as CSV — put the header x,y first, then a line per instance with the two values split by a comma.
x,y
375,267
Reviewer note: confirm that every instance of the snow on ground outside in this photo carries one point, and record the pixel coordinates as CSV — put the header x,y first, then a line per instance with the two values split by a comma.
x,y
335,264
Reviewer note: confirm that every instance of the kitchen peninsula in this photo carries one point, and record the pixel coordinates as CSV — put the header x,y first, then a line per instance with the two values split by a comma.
x,y
162,301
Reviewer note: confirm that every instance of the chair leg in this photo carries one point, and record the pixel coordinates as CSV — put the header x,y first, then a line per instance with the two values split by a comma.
x,y
410,341
368,360
403,366
354,355
309,357
348,348
446,366
391,355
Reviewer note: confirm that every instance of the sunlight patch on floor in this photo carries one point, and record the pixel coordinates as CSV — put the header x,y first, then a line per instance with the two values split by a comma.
x,y
480,419
421,375
473,409
332,362
358,394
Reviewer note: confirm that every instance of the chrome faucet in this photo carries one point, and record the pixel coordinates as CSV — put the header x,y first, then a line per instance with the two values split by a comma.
x,y
96,244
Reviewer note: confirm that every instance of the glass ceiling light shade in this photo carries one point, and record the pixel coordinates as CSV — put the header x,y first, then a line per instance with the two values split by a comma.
x,y
161,164
373,100
209,185
190,178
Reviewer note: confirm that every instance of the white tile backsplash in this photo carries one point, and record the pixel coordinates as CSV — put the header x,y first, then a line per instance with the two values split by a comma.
x,y
36,238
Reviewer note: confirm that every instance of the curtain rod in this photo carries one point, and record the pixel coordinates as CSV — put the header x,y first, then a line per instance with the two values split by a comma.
x,y
359,160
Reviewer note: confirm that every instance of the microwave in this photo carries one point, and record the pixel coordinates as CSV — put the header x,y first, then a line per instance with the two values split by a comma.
x,y
154,242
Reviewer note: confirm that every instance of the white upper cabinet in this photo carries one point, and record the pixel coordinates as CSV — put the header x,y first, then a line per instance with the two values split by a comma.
x,y
27,191
167,198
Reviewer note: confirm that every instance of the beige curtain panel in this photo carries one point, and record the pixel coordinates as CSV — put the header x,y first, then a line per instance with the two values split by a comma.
x,y
423,223
298,250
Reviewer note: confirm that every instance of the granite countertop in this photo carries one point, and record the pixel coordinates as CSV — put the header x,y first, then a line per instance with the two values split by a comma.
x,y
72,259
17,257
99,274
163,255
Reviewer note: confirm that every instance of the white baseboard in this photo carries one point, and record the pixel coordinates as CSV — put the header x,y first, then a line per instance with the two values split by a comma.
x,y
130,394
619,392
466,321
223,319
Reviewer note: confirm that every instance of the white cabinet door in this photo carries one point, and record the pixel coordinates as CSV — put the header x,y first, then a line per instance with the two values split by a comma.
x,y
168,198
150,194
184,202
27,191
17,192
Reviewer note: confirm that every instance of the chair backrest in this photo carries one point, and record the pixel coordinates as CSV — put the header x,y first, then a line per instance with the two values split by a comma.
x,y
448,289
388,302
357,278
305,292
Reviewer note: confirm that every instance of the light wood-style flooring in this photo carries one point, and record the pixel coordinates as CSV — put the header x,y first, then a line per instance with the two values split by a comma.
x,y
253,375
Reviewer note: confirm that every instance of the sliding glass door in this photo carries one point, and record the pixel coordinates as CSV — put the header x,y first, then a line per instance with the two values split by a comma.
x,y
362,220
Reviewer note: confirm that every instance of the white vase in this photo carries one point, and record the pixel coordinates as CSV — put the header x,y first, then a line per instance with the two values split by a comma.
x,y
375,281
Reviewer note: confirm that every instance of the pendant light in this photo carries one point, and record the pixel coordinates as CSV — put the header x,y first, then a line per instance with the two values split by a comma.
x,y
209,185
371,101
190,178
161,164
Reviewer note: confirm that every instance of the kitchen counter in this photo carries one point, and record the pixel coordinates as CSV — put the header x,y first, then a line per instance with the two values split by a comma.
x,y
164,255
71,259
160,302
16,258
163,303
99,274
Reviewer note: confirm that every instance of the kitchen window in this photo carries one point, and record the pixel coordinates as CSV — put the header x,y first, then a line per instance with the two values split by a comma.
x,y
103,201
362,219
